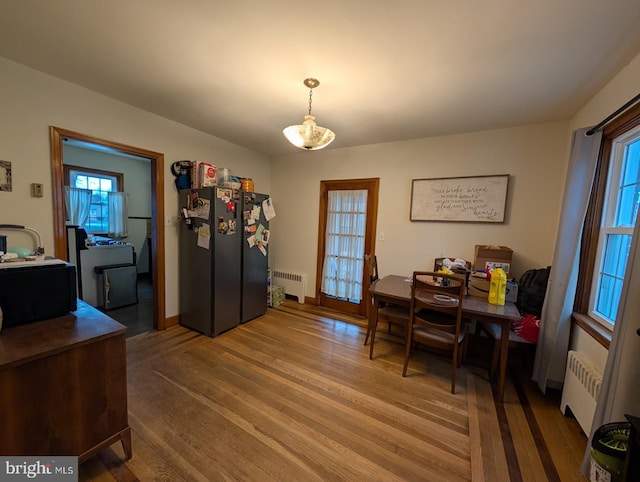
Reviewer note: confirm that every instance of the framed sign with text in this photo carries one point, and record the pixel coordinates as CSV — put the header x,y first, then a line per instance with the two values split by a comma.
x,y
480,199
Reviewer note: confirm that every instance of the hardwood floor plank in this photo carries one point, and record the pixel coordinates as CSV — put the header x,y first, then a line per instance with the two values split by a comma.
x,y
475,439
562,435
492,448
531,466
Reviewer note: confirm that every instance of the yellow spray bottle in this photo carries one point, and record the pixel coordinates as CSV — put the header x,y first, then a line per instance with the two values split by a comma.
x,y
497,287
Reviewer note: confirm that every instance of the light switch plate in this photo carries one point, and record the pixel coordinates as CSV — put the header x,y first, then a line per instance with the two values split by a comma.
x,y
37,190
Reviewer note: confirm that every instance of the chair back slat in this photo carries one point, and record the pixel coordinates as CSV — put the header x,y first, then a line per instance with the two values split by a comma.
x,y
372,267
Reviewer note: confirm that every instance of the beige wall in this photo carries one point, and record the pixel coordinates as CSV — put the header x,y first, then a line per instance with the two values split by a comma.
x,y
534,156
32,101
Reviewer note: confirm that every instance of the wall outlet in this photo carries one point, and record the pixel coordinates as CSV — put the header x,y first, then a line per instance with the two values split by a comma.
x,y
381,236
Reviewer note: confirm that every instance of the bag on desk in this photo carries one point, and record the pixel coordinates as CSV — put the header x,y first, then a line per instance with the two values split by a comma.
x,y
532,288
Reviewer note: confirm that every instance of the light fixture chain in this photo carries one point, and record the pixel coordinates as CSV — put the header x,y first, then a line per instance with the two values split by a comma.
x,y
310,93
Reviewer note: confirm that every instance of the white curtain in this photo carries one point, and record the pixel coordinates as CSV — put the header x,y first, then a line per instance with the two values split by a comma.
x,y
620,389
77,204
553,341
344,244
117,202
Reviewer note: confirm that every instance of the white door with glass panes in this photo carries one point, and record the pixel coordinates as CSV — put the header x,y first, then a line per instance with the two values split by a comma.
x,y
347,213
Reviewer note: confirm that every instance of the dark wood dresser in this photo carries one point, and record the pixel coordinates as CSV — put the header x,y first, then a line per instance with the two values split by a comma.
x,y
63,386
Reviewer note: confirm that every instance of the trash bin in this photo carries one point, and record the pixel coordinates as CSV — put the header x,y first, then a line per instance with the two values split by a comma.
x,y
608,451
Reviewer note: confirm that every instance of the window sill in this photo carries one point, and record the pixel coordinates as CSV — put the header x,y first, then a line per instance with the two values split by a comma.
x,y
598,332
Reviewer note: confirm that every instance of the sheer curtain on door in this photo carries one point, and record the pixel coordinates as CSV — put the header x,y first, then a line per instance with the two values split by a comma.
x,y
344,244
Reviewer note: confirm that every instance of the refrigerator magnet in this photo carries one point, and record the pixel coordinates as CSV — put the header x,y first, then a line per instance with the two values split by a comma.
x,y
220,193
223,227
193,201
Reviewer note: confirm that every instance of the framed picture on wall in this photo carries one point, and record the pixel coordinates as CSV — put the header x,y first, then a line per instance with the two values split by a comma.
x,y
480,199
5,176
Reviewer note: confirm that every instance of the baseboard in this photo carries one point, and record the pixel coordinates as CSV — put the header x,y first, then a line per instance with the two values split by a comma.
x,y
172,321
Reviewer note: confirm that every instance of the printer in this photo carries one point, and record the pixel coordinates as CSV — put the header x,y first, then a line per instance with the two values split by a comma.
x,y
36,290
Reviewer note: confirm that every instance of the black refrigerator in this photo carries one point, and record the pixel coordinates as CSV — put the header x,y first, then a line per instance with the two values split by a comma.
x,y
255,234
222,258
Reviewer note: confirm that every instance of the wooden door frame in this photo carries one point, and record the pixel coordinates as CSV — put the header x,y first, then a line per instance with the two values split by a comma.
x,y
372,185
56,137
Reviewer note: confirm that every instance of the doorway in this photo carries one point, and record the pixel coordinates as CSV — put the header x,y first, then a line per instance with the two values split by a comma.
x,y
57,137
342,202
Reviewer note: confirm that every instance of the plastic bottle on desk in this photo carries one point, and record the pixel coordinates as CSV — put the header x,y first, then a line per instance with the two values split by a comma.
x,y
497,287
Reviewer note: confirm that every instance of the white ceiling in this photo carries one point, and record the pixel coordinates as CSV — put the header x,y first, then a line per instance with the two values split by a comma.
x,y
389,70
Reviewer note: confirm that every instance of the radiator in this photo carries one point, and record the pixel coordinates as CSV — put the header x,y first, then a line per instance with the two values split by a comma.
x,y
581,389
294,284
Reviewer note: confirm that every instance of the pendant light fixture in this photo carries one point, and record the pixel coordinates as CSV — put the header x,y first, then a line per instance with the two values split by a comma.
x,y
309,136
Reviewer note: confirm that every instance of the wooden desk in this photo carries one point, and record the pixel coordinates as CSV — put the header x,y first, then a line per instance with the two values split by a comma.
x,y
64,386
394,289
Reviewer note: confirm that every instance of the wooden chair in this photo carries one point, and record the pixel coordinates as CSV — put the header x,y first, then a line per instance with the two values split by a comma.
x,y
436,317
387,313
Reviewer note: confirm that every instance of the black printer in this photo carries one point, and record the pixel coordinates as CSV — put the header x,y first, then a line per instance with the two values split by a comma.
x,y
36,290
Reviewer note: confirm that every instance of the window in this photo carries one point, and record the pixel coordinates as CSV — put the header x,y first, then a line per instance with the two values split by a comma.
x,y
618,219
100,183
611,217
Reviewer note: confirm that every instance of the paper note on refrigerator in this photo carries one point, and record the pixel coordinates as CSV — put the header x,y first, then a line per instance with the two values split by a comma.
x,y
203,208
269,210
204,236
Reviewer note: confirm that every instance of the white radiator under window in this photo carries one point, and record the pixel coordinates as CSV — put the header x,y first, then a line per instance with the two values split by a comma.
x,y
294,284
581,388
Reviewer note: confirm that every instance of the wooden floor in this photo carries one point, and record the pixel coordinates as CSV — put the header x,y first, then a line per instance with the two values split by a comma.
x,y
293,396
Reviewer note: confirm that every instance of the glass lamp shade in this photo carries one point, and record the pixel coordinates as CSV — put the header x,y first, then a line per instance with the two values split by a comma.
x,y
309,136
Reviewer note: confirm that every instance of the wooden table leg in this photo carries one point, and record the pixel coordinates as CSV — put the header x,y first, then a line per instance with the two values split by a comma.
x,y
125,438
504,350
